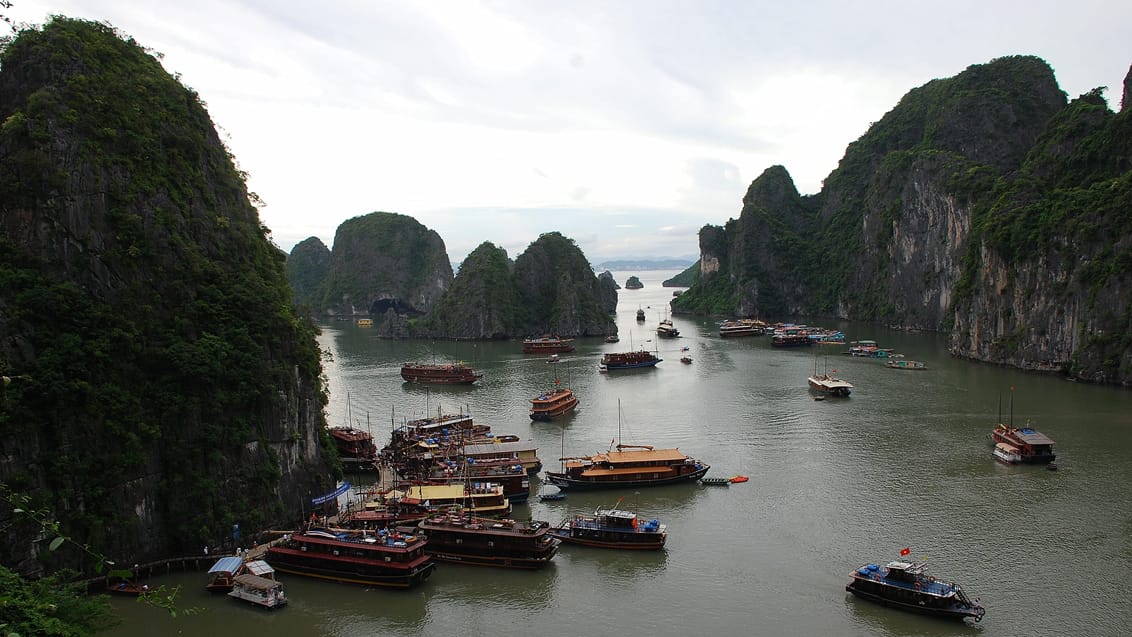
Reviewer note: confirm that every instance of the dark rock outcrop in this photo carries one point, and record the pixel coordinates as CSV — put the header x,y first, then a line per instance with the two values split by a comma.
x,y
559,291
165,388
388,266
307,267
483,301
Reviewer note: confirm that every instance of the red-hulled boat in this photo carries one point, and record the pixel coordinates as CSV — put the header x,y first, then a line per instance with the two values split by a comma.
x,y
446,374
354,445
359,557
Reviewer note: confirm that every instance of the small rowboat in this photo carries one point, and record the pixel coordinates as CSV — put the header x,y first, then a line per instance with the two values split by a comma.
x,y
718,482
548,497
738,479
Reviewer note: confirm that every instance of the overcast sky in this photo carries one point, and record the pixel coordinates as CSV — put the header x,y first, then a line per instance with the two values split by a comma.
x,y
624,124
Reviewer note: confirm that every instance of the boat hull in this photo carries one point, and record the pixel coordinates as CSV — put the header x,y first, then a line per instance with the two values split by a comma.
x,y
649,542
564,481
958,612
348,575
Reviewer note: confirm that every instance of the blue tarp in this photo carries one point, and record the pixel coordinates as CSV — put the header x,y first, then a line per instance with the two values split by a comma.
x,y
332,495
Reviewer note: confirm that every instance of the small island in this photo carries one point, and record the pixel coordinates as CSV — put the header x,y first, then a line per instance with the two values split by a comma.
x,y
633,283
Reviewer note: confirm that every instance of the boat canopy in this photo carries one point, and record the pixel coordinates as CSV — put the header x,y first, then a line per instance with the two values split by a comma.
x,y
227,565
261,568
256,582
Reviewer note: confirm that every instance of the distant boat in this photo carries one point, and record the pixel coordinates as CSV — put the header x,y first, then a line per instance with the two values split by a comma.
x,y
1033,447
640,315
666,330
612,338
612,528
552,404
444,374
687,360
906,586
629,360
827,384
548,345
365,322
900,363
742,327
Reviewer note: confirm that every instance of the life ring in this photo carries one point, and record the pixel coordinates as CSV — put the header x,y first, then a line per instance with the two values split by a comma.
x,y
917,586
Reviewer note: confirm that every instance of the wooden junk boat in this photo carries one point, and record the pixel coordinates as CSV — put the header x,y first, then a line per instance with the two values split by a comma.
x,y
742,327
830,385
257,584
628,360
548,345
552,404
665,329
905,585
612,528
359,557
628,466
355,446
1030,446
445,374
466,539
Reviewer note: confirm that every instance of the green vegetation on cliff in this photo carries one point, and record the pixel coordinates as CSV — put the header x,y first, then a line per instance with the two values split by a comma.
x,y
142,306
685,279
483,301
559,290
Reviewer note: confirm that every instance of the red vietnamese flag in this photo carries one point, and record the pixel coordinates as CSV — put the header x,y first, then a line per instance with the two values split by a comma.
x,y
905,551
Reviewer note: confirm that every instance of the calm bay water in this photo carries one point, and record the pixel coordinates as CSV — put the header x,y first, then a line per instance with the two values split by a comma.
x,y
836,483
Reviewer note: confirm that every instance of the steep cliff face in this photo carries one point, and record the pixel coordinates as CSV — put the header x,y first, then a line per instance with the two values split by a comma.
x,y
1047,285
984,204
607,292
307,267
386,265
482,303
559,290
758,264
165,389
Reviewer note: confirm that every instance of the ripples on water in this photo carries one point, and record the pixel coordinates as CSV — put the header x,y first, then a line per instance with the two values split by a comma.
x,y
834,483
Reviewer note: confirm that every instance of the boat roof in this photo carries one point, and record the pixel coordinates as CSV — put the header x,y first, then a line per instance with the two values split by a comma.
x,y
260,567
1031,437
499,447
229,564
248,580
644,455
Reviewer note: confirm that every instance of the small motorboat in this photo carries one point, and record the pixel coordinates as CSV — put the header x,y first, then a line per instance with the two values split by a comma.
x,y
687,360
550,497
738,479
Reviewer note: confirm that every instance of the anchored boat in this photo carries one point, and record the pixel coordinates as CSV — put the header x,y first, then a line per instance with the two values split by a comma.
x,y
906,585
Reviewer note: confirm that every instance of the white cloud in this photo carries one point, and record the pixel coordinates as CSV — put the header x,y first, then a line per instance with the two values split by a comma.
x,y
625,125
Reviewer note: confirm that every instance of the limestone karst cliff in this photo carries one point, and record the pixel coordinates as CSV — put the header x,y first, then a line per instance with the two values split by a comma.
x,y
559,290
164,388
388,266
985,205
